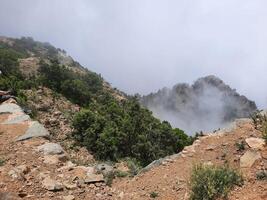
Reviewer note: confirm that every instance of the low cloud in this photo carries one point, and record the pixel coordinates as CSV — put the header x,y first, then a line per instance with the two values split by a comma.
x,y
143,45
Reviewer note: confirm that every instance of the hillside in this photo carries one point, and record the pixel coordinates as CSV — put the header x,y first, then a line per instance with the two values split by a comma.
x,y
171,179
69,135
80,109
206,105
34,167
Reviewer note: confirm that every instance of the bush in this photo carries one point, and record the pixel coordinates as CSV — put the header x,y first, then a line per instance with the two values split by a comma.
x,y
113,130
2,162
240,146
260,122
211,182
261,175
154,195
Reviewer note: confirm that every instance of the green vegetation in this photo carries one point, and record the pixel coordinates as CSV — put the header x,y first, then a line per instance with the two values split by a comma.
x,y
2,162
154,195
261,175
240,146
116,130
211,182
121,174
260,122
109,128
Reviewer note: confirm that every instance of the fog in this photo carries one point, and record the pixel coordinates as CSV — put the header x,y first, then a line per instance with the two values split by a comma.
x,y
207,105
140,46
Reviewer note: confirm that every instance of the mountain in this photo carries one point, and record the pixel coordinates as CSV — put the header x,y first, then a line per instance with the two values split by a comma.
x,y
80,109
69,135
206,105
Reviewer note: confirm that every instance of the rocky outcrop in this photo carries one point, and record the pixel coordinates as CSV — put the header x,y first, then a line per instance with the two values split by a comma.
x,y
37,168
35,130
206,105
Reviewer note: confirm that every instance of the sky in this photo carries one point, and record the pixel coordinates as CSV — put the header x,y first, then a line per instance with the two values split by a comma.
x,y
140,46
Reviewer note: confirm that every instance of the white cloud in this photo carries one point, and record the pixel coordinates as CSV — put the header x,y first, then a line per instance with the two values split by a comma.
x,y
143,45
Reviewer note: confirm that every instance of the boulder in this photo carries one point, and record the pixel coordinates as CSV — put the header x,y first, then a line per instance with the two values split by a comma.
x,y
17,118
104,168
52,185
249,158
50,149
9,108
255,143
35,130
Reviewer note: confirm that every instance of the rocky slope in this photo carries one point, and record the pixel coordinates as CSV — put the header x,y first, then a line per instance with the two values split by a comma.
x,y
34,167
169,178
206,105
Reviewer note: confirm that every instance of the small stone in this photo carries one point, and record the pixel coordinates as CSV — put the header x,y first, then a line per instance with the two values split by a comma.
x,y
69,197
51,159
51,184
210,148
70,186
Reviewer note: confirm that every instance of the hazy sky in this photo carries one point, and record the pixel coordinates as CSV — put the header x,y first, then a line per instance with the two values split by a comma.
x,y
143,45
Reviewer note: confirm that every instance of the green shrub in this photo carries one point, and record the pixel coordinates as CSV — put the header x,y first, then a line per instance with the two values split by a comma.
x,y
154,195
211,182
261,175
2,162
260,122
121,174
114,130
240,146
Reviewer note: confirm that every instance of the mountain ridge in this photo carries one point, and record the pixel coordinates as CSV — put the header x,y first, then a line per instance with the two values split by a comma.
x,y
208,97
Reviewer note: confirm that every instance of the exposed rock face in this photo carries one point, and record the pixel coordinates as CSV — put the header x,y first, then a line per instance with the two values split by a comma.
x,y
206,105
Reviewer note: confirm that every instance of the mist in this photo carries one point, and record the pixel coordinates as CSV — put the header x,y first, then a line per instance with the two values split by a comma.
x,y
207,105
140,46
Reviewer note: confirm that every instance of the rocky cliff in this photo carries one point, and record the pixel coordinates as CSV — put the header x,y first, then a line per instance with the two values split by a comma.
x,y
206,105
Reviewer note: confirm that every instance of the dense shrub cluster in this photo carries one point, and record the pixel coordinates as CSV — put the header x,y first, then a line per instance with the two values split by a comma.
x,y
80,88
114,130
109,128
211,182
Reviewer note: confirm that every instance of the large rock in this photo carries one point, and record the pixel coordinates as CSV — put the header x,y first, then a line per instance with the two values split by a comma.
x,y
17,118
104,168
249,158
94,178
35,130
50,149
9,108
51,184
255,143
